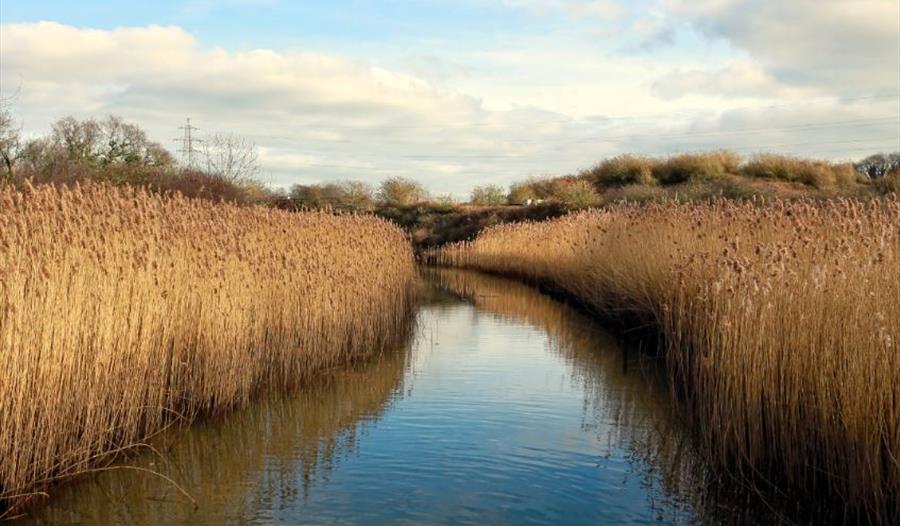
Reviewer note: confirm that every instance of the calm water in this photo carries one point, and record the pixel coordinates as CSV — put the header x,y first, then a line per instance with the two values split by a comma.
x,y
507,408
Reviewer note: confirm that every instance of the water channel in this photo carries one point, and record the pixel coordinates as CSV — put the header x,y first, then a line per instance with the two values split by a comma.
x,y
506,407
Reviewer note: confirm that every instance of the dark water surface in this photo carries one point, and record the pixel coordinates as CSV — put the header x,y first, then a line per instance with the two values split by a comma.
x,y
506,408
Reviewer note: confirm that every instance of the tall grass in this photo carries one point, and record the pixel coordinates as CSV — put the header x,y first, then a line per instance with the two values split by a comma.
x,y
781,326
122,311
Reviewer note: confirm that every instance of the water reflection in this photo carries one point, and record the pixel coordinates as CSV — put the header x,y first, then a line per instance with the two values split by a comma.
x,y
240,467
508,407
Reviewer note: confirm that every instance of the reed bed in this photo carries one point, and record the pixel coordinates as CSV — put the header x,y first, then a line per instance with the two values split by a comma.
x,y
122,312
780,323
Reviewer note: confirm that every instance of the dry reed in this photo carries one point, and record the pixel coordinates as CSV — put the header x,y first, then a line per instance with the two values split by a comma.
x,y
121,311
781,326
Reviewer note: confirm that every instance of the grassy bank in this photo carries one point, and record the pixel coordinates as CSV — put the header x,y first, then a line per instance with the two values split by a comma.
x,y
121,312
434,225
781,324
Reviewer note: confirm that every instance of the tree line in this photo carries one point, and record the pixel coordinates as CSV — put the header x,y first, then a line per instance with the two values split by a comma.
x,y
228,167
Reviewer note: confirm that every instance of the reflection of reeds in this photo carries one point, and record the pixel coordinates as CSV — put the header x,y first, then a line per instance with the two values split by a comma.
x,y
276,446
119,310
781,324
626,396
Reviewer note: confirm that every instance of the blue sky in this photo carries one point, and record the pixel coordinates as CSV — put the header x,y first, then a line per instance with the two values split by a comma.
x,y
458,93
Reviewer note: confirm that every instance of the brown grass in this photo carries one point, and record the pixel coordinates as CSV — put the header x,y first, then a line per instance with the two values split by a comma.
x,y
690,167
818,174
781,325
121,311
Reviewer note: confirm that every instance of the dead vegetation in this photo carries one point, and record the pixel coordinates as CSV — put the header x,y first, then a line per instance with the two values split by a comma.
x,y
122,311
780,321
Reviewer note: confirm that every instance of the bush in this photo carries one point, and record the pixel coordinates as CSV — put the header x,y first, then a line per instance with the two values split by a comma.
x,y
399,191
697,167
489,195
636,193
575,193
889,184
728,186
354,196
533,188
771,166
623,170
520,193
818,174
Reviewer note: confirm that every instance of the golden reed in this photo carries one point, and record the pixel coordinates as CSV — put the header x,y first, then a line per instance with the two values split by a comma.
x,y
781,325
121,312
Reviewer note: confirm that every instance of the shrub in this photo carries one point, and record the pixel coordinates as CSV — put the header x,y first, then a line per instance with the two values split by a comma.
x,y
623,170
520,193
354,196
488,195
697,167
889,184
400,191
635,193
818,174
575,194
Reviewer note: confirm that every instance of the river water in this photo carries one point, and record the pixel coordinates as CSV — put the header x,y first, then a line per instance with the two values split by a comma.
x,y
506,407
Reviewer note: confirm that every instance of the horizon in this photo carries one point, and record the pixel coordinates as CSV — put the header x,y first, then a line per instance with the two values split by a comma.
x,y
460,94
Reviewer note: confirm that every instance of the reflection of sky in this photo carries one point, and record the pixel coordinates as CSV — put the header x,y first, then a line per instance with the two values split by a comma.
x,y
493,422
489,429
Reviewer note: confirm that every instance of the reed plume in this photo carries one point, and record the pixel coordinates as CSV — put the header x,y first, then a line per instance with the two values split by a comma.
x,y
781,326
121,311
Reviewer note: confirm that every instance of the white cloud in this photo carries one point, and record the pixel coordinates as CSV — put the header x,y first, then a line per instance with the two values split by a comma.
x,y
740,79
839,45
526,106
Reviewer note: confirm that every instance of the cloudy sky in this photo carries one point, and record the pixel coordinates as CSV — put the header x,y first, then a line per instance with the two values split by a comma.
x,y
463,92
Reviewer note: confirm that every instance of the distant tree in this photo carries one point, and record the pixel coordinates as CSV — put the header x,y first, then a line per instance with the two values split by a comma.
x,y
521,193
42,153
399,191
488,195
310,196
10,139
346,195
232,157
878,165
532,188
357,196
80,139
112,141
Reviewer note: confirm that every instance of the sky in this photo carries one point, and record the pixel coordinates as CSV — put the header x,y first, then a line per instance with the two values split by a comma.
x,y
458,93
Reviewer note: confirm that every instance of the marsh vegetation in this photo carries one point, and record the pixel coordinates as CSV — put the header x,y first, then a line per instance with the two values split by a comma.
x,y
779,323
123,312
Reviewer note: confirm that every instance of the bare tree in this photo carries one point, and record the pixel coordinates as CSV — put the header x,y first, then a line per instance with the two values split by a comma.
x,y
345,195
357,195
489,195
399,191
232,157
10,138
878,165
